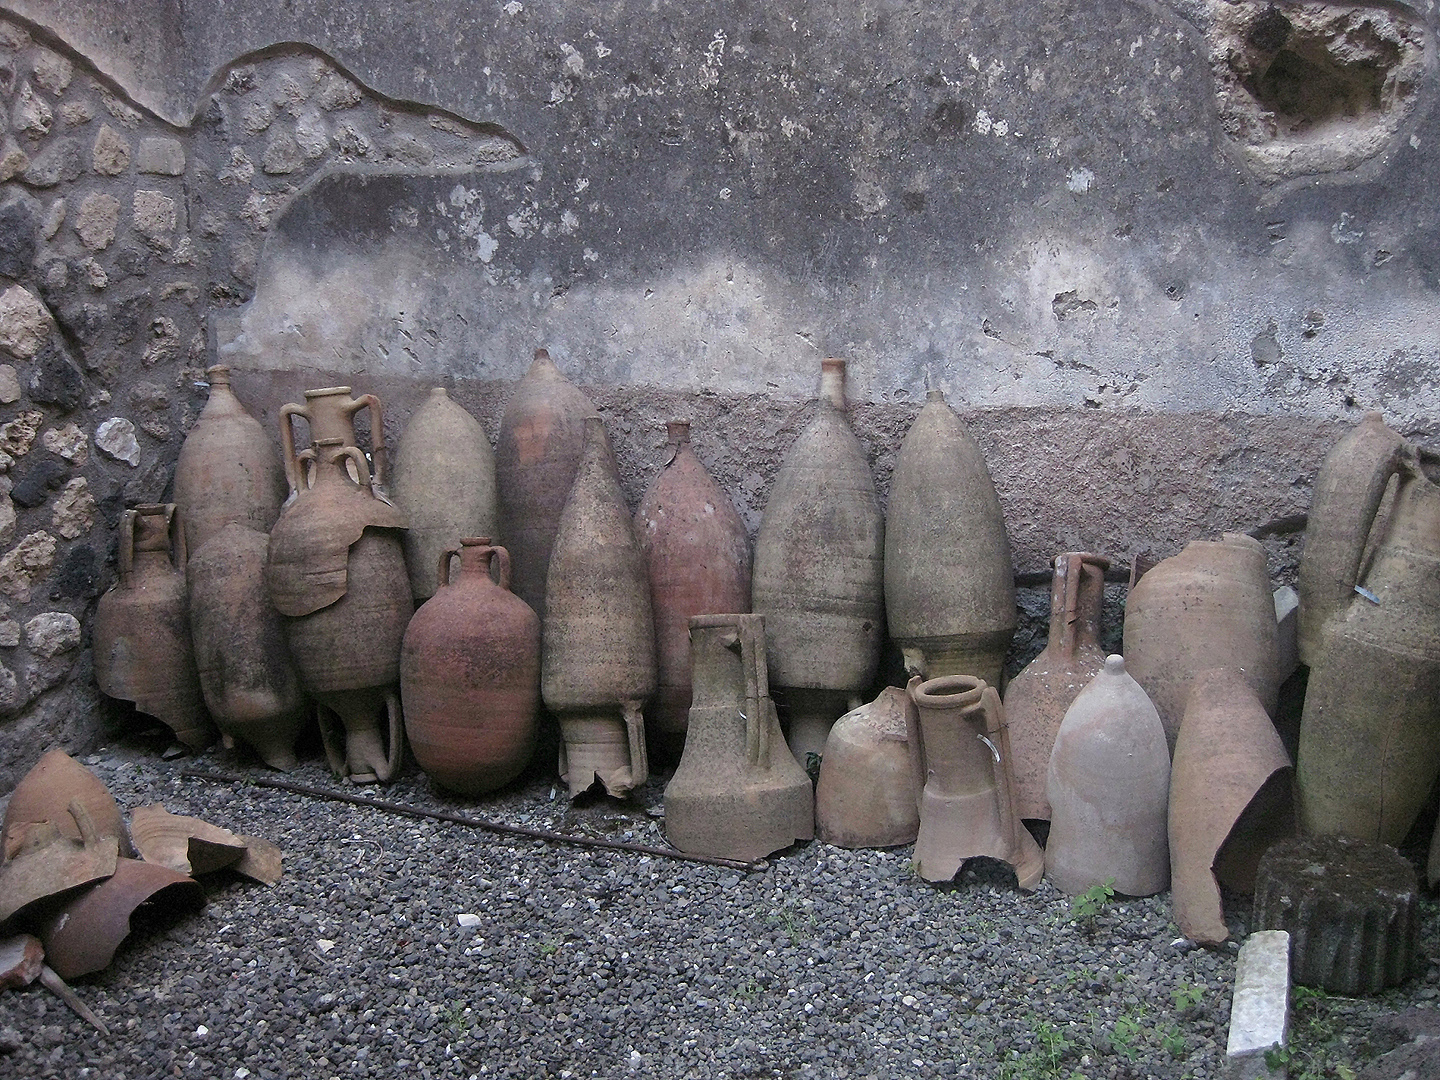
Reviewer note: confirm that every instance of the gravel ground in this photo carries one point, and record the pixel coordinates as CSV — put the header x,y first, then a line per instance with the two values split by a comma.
x,y
583,962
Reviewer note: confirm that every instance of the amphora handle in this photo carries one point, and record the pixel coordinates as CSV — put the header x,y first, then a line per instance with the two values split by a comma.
x,y
377,434
293,471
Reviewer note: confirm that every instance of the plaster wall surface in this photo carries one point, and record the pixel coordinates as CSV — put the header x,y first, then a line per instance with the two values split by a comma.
x,y
1156,276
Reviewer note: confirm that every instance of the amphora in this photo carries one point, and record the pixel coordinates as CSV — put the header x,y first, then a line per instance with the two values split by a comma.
x,y
1208,607
866,796
470,674
1370,732
542,436
697,554
738,793
960,753
251,685
819,577
1036,699
1109,789
143,651
1343,503
1231,798
228,471
598,638
336,571
949,580
444,484
330,414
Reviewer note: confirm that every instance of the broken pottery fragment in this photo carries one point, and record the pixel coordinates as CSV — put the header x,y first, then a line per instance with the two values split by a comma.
x,y
81,935
143,651
45,793
1109,787
866,795
960,753
738,793
49,863
190,845
21,958
1231,797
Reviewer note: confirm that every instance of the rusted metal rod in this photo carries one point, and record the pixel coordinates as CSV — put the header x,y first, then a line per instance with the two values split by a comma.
x,y
465,819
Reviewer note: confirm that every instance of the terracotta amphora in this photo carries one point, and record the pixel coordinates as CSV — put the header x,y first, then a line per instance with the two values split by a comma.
x,y
960,754
228,471
1208,607
866,795
1370,732
598,638
1343,504
738,793
330,413
470,674
251,685
542,435
697,553
337,572
1036,699
142,631
949,580
819,578
1109,790
444,483
1231,798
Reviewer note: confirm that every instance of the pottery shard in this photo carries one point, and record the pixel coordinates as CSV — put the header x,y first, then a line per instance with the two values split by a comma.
x,y
111,154
161,157
24,323
115,438
73,513
21,958
26,563
96,223
18,436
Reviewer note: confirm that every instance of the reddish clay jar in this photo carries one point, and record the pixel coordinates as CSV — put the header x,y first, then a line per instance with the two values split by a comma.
x,y
542,437
143,651
697,553
470,674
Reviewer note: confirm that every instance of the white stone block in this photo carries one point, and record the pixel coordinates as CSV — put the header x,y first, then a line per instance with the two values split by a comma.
x,y
1260,1008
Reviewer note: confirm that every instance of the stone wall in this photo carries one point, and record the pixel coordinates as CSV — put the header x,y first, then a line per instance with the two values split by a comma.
x,y
1156,254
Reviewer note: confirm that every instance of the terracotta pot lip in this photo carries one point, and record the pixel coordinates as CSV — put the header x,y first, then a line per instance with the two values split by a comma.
x,y
475,541
151,509
327,391
948,691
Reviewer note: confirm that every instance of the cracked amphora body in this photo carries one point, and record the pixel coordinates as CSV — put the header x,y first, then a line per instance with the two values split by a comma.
x,y
337,572
1370,733
143,651
960,751
738,792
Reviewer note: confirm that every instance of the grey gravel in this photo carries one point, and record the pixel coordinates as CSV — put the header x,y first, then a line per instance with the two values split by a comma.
x,y
826,963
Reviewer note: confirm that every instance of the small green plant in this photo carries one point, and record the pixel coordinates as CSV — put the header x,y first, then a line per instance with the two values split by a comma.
x,y
455,1018
1187,996
1044,1059
549,947
1087,907
1173,1041
1124,1036
1316,1040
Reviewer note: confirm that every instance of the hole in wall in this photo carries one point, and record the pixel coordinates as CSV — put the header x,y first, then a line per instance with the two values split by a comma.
x,y
1313,88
